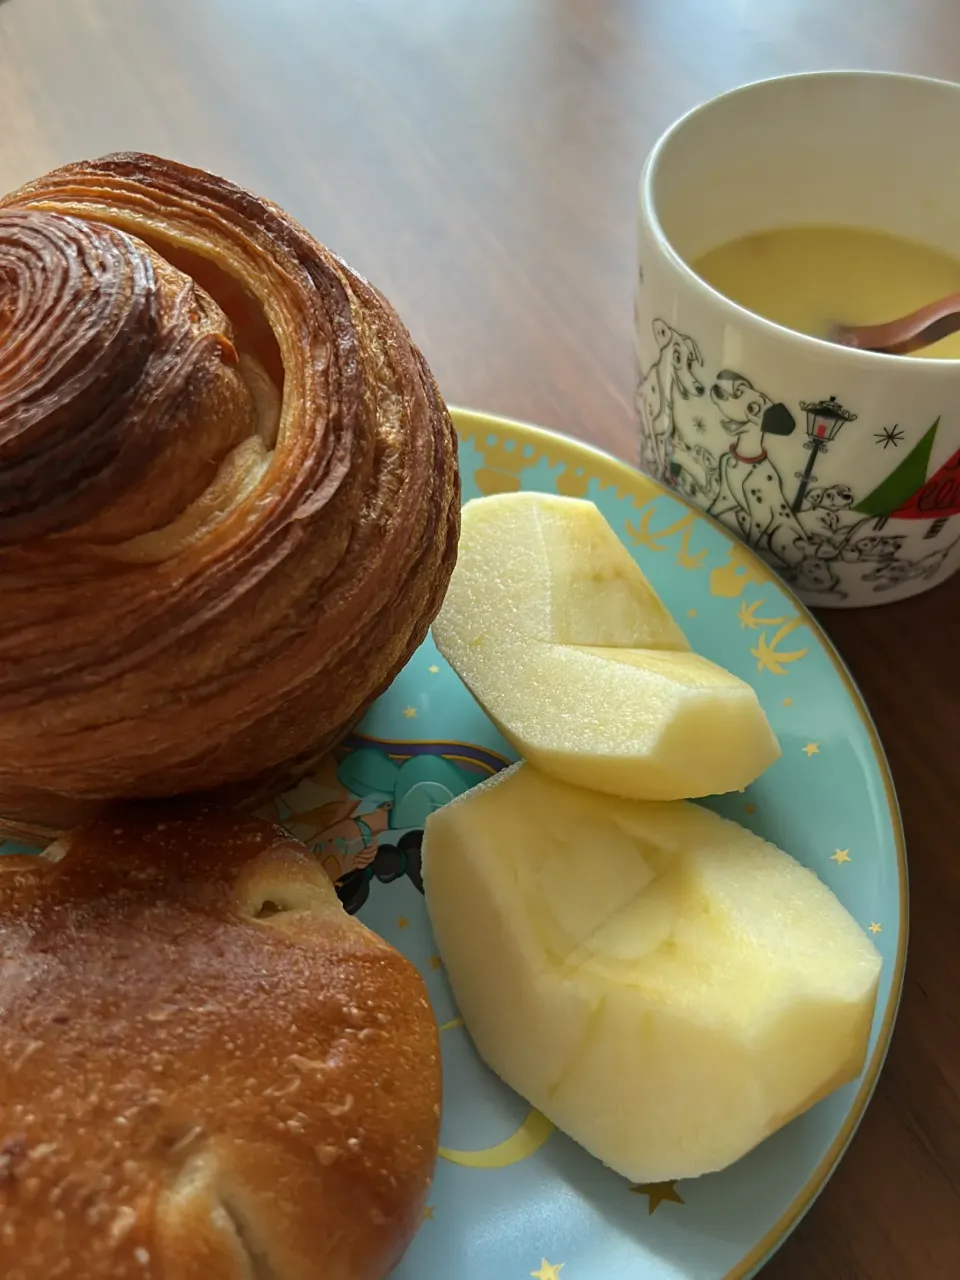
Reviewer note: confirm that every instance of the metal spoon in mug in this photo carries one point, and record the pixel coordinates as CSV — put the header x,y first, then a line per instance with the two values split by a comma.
x,y
920,329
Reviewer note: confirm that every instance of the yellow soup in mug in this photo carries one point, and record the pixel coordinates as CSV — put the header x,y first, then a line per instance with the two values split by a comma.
x,y
809,278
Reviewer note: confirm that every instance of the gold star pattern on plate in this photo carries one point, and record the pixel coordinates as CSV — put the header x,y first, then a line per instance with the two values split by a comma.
x,y
691,613
749,808
428,1213
410,712
434,669
840,857
811,749
788,702
402,922
658,1193
435,962
548,1270
875,927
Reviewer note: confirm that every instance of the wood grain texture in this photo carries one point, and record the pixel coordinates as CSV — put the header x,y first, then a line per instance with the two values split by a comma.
x,y
479,162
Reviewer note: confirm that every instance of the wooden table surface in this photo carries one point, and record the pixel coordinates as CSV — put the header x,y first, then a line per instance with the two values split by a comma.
x,y
478,160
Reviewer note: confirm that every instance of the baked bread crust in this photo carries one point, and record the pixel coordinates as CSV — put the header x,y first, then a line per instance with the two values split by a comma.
x,y
229,498
194,1085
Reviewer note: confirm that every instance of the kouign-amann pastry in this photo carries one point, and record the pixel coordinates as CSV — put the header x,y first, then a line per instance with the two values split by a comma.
x,y
229,500
208,1070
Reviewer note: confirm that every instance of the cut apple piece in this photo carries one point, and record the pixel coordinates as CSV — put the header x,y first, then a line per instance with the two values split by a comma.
x,y
556,632
662,984
552,568
640,723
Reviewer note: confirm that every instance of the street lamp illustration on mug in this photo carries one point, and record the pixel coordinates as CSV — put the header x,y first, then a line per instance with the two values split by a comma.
x,y
824,420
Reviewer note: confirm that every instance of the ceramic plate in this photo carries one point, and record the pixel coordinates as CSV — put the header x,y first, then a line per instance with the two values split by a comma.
x,y
513,1198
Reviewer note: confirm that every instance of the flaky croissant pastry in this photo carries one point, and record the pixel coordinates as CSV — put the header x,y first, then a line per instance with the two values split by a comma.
x,y
208,1070
229,500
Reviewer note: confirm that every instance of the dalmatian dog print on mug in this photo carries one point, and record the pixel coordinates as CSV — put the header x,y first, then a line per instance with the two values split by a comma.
x,y
840,467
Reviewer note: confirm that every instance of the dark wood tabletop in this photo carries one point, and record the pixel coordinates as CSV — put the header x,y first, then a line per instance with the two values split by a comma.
x,y
478,160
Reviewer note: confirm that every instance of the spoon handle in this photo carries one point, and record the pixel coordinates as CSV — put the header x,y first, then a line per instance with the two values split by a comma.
x,y
910,333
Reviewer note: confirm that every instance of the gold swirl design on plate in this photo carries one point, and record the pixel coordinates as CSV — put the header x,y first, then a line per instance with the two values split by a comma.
x,y
509,449
642,535
525,1141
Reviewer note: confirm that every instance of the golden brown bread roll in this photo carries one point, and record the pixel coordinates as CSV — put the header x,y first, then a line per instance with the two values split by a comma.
x,y
208,1070
229,501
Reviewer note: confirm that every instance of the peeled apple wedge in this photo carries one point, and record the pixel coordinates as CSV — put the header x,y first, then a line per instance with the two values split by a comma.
x,y
640,723
551,568
553,627
665,986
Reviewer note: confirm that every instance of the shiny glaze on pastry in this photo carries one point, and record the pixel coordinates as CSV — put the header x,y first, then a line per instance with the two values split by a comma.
x,y
229,500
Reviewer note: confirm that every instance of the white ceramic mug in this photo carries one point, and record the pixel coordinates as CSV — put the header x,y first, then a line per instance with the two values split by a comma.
x,y
798,445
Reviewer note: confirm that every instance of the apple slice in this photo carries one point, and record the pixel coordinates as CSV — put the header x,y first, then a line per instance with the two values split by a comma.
x,y
552,568
556,632
662,984
641,723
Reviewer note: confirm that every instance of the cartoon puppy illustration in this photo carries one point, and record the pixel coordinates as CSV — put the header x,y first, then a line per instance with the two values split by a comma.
x,y
671,379
873,547
833,497
815,575
892,573
693,468
820,516
751,489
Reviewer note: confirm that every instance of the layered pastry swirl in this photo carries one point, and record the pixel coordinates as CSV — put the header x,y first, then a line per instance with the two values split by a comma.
x,y
229,500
